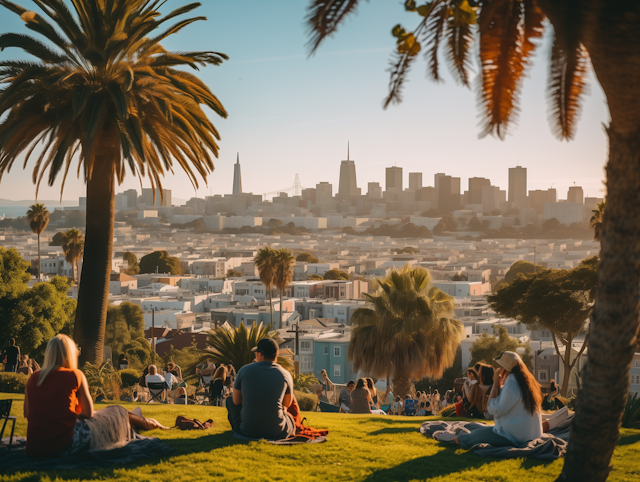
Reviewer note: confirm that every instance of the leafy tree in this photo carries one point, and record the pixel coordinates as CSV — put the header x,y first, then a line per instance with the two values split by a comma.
x,y
160,262
446,382
233,346
13,273
132,261
604,34
139,352
315,277
73,248
487,348
406,331
104,91
558,300
57,239
265,261
551,224
38,216
596,220
336,275
125,322
307,258
304,382
475,224
460,277
35,315
274,223
518,268
232,273
283,273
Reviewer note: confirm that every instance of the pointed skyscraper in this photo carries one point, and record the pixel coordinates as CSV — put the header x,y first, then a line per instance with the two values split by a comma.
x,y
348,186
237,178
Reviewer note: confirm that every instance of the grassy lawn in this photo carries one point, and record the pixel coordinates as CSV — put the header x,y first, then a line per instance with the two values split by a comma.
x,y
360,447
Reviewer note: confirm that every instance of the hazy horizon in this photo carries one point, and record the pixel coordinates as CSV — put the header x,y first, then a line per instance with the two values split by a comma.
x,y
291,114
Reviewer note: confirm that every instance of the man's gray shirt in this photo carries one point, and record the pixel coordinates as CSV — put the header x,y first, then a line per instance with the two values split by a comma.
x,y
263,386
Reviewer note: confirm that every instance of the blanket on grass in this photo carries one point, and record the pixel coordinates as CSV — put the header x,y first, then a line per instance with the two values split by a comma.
x,y
140,447
552,445
286,441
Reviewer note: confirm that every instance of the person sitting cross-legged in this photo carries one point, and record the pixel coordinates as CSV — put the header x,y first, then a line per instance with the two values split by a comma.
x,y
262,395
345,396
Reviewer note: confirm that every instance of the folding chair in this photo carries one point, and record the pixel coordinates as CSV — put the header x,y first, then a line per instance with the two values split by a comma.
x,y
410,407
203,391
216,391
156,389
5,413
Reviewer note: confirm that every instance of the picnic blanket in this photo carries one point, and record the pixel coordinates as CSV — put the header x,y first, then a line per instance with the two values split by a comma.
x,y
140,447
552,445
286,441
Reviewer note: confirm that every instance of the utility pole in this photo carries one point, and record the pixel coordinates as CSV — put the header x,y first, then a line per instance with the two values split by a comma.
x,y
296,357
153,330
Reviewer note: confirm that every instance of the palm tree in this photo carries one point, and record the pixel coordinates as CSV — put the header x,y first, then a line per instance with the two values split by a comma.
x,y
38,217
103,91
604,34
283,273
596,220
265,261
73,249
406,332
233,346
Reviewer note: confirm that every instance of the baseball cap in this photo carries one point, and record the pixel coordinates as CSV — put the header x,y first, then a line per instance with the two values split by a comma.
x,y
267,346
508,360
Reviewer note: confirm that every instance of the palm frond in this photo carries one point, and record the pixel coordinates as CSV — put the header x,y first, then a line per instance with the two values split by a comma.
x,y
324,17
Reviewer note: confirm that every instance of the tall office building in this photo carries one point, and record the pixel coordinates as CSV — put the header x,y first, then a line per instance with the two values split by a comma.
x,y
518,186
575,195
374,190
436,179
348,186
393,179
538,198
237,178
161,199
475,189
415,181
324,193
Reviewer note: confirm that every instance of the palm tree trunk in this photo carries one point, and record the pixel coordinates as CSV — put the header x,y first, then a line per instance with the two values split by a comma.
x,y
93,295
401,386
270,306
281,292
39,262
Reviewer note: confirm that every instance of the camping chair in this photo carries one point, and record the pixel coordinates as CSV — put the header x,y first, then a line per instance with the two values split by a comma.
x,y
328,407
410,407
203,390
156,389
216,391
5,414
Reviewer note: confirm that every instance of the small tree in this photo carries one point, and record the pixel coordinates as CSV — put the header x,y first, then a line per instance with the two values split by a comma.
x,y
73,248
487,348
160,262
336,275
283,273
132,261
307,258
558,300
232,273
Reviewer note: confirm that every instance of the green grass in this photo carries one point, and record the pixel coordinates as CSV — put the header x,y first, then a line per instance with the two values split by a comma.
x,y
360,447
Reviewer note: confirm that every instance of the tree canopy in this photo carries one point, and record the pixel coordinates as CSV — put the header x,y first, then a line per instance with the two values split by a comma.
x,y
125,323
487,348
160,262
307,258
132,261
336,275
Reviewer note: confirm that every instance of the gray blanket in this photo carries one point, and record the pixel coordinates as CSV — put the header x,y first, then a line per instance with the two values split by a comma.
x,y
288,441
552,445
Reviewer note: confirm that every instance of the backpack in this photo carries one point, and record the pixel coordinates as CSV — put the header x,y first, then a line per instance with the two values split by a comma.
x,y
184,423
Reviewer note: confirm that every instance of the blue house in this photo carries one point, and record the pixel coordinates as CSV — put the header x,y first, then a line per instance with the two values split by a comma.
x,y
330,352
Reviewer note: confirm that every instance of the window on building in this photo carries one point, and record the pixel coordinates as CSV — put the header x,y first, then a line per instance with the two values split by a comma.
x,y
336,370
305,346
326,350
543,375
635,379
336,351
637,363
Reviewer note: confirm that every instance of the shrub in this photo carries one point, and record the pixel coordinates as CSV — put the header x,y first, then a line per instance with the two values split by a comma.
x,y
307,401
631,415
129,377
449,411
13,382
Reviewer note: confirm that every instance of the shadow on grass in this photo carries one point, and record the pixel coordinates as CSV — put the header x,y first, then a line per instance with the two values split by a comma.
x,y
629,439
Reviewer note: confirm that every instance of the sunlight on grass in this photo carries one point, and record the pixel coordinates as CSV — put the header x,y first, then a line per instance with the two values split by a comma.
x,y
360,447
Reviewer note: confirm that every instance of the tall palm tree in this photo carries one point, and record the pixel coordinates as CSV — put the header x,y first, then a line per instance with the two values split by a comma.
x,y
73,249
233,346
265,261
605,35
406,332
283,273
38,217
596,220
103,91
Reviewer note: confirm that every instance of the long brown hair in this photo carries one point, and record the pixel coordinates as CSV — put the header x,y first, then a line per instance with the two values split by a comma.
x,y
529,388
220,374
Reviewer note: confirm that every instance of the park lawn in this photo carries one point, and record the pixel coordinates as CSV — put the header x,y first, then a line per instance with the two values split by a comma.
x,y
359,447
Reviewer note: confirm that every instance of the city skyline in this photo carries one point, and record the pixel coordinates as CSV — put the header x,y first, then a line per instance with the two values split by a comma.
x,y
279,133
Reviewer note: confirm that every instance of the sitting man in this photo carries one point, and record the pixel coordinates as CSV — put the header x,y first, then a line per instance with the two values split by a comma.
x,y
155,377
262,394
345,396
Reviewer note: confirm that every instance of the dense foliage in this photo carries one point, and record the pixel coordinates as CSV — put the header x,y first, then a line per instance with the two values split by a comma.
x,y
125,323
13,382
160,262
487,348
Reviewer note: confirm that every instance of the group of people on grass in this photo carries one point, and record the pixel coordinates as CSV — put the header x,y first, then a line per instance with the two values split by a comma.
x,y
62,420
15,362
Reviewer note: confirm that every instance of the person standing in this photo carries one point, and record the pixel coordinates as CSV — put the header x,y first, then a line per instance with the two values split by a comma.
x,y
11,355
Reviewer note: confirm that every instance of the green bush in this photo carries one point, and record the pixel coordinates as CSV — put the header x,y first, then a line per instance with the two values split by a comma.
x,y
13,382
129,377
307,401
449,411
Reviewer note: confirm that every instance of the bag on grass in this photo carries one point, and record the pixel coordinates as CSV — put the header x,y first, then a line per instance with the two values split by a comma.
x,y
184,423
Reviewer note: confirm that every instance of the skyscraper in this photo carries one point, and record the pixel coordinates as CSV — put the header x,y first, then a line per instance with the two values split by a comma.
x,y
575,195
415,181
518,186
348,186
324,193
393,179
475,189
237,179
374,190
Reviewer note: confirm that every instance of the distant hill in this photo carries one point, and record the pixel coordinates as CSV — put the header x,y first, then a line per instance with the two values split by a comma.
x,y
46,202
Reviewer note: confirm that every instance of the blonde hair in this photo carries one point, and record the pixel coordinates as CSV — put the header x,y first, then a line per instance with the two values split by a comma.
x,y
221,373
61,352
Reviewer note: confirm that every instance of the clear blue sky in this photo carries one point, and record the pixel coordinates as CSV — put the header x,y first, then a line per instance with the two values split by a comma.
x,y
291,114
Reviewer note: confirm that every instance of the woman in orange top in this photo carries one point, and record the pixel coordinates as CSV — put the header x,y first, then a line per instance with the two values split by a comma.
x,y
57,405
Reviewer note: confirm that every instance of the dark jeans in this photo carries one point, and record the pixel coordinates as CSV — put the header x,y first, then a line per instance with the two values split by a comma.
x,y
10,368
234,414
483,435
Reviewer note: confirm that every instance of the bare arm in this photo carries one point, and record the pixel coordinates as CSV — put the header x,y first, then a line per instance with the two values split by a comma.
x,y
287,400
84,399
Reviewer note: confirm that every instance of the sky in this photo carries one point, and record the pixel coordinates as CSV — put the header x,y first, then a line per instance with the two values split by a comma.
x,y
294,114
